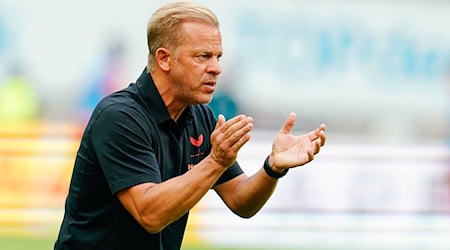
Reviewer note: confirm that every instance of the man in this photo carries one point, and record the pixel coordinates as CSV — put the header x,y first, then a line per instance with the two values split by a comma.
x,y
151,151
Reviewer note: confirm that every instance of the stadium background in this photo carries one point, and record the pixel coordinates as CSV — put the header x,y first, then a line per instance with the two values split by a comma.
x,y
376,72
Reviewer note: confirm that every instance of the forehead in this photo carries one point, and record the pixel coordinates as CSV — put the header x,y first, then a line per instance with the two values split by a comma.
x,y
201,35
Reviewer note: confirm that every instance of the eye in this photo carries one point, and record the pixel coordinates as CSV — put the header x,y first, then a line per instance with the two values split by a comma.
x,y
204,56
208,56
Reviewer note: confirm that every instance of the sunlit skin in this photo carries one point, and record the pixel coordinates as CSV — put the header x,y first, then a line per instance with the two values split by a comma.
x,y
188,76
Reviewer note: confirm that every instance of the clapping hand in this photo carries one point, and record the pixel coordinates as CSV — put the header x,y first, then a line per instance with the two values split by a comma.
x,y
290,151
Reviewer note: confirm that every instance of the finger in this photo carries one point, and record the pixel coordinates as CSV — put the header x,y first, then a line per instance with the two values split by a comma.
x,y
313,135
225,125
306,156
322,127
322,137
239,137
237,127
311,156
220,121
289,123
317,145
241,142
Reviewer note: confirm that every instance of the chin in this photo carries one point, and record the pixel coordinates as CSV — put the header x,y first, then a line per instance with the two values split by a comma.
x,y
205,100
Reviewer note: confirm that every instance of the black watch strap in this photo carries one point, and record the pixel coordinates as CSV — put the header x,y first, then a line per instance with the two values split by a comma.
x,y
272,173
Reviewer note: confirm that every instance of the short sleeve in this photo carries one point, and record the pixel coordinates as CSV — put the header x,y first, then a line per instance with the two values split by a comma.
x,y
230,173
123,148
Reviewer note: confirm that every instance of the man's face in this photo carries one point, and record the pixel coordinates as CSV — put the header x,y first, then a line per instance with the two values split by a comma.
x,y
195,68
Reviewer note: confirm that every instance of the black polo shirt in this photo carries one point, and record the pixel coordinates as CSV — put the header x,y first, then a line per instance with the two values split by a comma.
x,y
130,139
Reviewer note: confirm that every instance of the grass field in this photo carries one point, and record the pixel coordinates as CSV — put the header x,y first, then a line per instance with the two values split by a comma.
x,y
22,243
33,243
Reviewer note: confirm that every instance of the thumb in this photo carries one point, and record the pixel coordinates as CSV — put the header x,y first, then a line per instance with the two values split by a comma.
x,y
289,123
220,121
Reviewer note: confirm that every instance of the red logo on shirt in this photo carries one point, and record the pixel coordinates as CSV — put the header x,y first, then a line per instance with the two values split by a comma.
x,y
197,142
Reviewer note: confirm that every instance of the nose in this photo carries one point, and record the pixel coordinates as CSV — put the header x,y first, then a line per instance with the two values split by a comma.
x,y
214,67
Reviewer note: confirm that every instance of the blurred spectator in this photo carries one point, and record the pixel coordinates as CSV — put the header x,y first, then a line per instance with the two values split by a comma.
x,y
105,78
18,100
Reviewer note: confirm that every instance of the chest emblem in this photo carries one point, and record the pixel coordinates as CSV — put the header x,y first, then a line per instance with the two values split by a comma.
x,y
197,142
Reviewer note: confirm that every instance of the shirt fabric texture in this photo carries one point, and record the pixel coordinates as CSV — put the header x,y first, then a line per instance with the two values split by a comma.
x,y
130,139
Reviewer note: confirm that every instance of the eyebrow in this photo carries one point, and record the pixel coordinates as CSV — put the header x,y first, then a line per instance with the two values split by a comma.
x,y
209,52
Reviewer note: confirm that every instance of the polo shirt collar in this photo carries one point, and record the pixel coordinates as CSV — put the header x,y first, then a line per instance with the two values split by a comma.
x,y
155,104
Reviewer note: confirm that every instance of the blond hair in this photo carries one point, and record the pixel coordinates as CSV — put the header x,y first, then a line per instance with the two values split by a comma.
x,y
163,29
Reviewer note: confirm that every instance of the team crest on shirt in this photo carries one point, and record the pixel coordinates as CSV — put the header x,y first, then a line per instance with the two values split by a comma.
x,y
196,153
197,142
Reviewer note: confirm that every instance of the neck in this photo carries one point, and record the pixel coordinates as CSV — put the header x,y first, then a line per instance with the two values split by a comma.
x,y
174,108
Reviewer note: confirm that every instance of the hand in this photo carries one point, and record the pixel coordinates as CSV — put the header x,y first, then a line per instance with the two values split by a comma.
x,y
228,137
289,151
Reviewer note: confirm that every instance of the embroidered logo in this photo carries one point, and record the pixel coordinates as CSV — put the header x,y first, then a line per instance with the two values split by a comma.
x,y
197,142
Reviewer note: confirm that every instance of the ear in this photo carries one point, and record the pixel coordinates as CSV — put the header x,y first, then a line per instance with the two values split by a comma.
x,y
163,58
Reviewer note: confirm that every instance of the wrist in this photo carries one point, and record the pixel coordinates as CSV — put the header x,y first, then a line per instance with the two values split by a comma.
x,y
274,173
215,164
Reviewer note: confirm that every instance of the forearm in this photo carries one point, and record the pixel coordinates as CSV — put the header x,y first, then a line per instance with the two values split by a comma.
x,y
166,202
252,193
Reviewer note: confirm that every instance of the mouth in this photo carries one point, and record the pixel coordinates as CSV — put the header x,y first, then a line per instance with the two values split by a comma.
x,y
210,85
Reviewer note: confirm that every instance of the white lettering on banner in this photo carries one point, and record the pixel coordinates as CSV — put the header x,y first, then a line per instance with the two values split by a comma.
x,y
304,47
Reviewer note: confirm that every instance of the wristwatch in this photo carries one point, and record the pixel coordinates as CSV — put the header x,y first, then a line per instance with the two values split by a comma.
x,y
272,173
